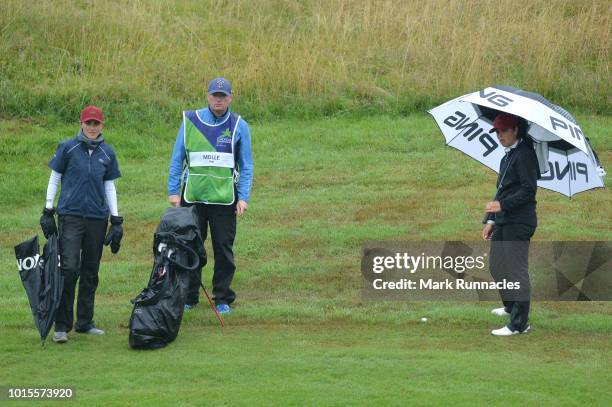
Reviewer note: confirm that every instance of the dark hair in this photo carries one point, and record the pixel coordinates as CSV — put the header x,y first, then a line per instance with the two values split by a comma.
x,y
522,128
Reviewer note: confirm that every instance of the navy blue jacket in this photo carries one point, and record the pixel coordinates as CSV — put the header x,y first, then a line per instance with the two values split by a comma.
x,y
83,177
517,185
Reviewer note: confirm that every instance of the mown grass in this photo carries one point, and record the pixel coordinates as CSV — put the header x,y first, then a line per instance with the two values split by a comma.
x,y
150,59
300,332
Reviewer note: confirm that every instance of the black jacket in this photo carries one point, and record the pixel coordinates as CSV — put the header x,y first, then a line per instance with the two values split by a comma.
x,y
517,186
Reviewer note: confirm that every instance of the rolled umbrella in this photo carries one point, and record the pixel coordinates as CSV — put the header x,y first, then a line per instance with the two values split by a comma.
x,y
566,159
42,280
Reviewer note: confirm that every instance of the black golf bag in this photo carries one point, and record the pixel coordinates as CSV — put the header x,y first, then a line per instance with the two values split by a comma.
x,y
158,309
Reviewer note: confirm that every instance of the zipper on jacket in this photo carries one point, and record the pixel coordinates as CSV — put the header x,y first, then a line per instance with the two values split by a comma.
x,y
85,212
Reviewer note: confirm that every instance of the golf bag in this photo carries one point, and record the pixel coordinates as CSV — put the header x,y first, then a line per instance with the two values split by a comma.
x,y
177,251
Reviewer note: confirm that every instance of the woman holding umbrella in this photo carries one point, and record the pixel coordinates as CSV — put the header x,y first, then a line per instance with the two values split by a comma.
x,y
86,168
511,222
535,137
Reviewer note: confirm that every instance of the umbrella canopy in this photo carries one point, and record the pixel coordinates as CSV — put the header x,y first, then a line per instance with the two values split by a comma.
x,y
547,121
567,162
42,279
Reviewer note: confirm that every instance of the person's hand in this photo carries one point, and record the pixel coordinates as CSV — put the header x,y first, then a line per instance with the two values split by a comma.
x,y
47,222
493,207
175,200
487,232
115,234
241,207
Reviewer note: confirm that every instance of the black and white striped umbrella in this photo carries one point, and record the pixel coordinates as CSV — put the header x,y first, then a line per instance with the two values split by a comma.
x,y
567,162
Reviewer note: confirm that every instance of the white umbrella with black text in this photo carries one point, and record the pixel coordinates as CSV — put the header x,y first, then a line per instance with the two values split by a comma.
x,y
567,162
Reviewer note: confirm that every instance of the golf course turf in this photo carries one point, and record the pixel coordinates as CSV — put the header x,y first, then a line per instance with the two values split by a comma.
x,y
300,333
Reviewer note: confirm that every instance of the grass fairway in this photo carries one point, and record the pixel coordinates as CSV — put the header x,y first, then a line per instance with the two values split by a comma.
x,y
300,333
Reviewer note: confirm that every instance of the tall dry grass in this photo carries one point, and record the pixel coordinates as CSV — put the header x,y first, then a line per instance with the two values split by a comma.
x,y
291,57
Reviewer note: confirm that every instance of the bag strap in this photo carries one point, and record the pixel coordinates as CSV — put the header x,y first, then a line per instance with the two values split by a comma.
x,y
188,267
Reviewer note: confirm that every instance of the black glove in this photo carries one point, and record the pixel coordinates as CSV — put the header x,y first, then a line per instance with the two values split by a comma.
x,y
115,233
47,222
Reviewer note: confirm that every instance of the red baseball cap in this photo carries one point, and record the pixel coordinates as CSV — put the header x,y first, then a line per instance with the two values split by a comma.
x,y
504,121
92,113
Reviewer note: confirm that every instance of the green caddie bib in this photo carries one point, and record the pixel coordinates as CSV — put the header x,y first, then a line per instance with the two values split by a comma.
x,y
210,159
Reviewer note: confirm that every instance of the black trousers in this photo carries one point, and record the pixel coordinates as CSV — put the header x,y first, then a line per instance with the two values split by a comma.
x,y
80,243
222,222
509,260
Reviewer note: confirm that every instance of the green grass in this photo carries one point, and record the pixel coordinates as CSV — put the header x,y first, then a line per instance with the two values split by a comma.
x,y
328,364
300,332
303,59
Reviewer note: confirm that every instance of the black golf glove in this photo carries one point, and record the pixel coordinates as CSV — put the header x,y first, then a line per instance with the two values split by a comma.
x,y
115,233
47,222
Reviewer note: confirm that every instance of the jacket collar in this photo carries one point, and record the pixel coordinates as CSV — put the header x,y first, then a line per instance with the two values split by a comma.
x,y
218,119
512,147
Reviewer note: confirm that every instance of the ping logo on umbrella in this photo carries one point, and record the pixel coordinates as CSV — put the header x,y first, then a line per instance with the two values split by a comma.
x,y
572,168
561,124
496,98
472,129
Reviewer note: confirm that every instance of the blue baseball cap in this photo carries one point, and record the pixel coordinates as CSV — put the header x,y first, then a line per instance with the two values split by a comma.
x,y
220,85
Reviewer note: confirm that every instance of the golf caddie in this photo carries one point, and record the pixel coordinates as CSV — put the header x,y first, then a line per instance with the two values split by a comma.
x,y
212,169
85,167
511,222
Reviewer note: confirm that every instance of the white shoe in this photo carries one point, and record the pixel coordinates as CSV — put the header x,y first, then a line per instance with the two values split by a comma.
x,y
60,337
505,331
500,312
94,331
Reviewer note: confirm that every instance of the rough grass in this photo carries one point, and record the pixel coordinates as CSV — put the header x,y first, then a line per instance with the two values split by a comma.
x,y
300,332
150,59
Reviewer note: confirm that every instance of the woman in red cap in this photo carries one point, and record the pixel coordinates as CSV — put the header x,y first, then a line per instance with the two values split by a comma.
x,y
85,167
511,222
